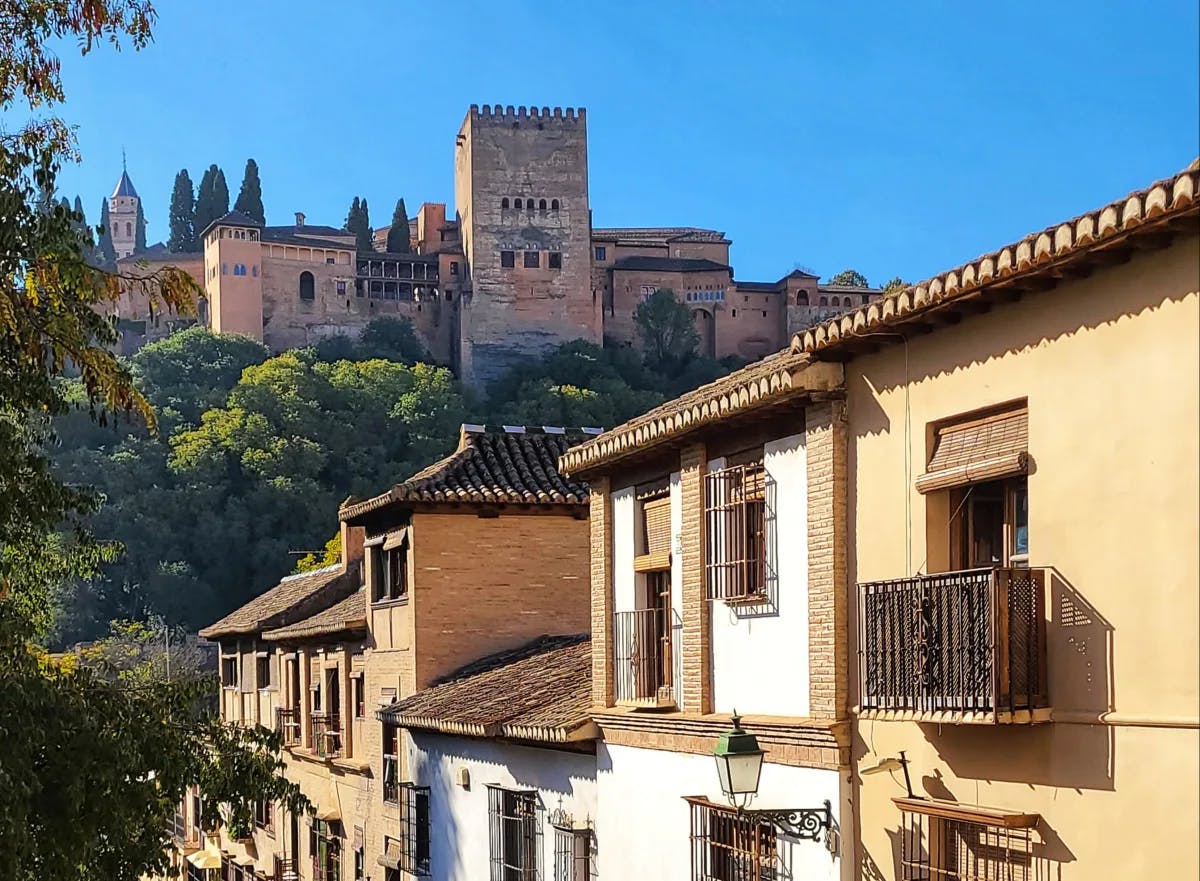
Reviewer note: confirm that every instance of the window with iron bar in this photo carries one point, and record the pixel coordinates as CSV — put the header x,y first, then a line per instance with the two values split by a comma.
x,y
414,829
946,849
572,854
264,815
735,519
515,834
325,845
728,846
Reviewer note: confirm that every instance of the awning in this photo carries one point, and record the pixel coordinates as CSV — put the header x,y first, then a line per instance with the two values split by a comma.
x,y
989,447
390,859
395,540
206,859
329,814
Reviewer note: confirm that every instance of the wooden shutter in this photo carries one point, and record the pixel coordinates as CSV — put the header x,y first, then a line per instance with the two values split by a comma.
x,y
989,447
656,517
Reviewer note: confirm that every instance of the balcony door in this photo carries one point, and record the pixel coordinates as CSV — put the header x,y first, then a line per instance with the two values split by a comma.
x,y
993,525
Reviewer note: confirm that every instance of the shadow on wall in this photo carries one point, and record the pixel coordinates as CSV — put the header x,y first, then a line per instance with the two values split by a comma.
x,y
1076,756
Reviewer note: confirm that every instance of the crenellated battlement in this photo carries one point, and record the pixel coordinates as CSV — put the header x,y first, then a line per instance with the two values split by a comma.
x,y
508,114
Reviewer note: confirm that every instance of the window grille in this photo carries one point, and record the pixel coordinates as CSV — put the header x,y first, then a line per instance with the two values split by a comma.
x,y
735,515
515,835
727,846
414,829
944,849
572,849
325,845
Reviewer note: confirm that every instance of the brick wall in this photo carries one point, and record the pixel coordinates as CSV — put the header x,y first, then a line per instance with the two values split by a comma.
x,y
697,623
601,592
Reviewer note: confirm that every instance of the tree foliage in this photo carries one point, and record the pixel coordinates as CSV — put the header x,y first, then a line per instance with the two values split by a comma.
x,y
182,216
665,328
850,277
398,239
249,200
212,199
139,230
358,221
107,252
894,284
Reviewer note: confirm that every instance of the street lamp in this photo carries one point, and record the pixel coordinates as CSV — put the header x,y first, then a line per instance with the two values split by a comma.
x,y
739,766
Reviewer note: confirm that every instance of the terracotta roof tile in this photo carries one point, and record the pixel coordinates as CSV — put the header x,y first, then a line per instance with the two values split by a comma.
x,y
1042,253
657,234
510,465
349,614
294,598
540,691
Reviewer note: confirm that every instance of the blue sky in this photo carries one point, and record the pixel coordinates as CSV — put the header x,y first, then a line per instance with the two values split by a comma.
x,y
896,138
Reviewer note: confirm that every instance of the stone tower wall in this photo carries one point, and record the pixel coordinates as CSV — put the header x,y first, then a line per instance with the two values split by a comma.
x,y
122,218
513,313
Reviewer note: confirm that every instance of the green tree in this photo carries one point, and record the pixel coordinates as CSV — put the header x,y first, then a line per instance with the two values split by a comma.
x,y
204,211
894,284
249,200
665,328
332,553
850,277
391,338
93,766
139,234
398,239
358,221
183,232
220,203
107,251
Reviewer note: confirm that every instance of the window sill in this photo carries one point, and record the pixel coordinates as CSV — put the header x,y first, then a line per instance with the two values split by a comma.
x,y
751,599
388,604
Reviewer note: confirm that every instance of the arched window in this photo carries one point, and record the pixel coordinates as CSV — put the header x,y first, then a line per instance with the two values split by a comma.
x,y
802,298
307,286
824,301
554,204
128,229
517,204
542,205
504,203
866,299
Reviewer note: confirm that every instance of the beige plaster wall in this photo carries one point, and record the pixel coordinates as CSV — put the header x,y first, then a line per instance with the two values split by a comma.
x,y
1110,368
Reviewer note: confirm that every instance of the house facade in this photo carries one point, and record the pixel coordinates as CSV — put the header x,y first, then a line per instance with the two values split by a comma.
x,y
718,585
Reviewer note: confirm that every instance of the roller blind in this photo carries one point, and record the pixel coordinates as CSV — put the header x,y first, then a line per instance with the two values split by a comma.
x,y
990,447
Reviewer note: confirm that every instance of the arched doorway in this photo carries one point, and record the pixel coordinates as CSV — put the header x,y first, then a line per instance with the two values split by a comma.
x,y
706,329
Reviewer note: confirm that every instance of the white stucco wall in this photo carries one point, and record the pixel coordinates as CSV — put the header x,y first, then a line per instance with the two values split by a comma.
x,y
624,534
644,821
459,841
774,637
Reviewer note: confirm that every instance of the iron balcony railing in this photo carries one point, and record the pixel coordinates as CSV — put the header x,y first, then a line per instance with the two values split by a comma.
x,y
646,655
959,646
391,779
285,869
287,721
326,735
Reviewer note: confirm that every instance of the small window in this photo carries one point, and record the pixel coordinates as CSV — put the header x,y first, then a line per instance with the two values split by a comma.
x,y
341,288
360,864
128,229
254,271
329,260
507,259
390,566
866,299
224,269
556,260
554,204
391,762
414,830
533,259
514,834
736,521
504,204
264,815
824,301
307,286
262,670
734,312
517,204
359,693
454,268
542,205
802,298
601,252
229,671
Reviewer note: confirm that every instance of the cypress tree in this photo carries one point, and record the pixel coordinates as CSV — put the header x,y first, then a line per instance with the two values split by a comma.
x,y
108,254
220,194
182,215
364,240
249,200
139,231
203,214
352,215
398,241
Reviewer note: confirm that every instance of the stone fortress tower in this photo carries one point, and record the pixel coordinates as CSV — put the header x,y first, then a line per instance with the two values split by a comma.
x,y
521,193
122,215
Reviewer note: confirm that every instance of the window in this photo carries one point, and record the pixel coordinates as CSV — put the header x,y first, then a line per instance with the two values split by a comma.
x,y
329,261
533,259
824,301
128,229
239,269
224,269
601,252
514,834
229,671
325,845
727,846
264,815
262,670
556,260
359,694
507,259
802,298
391,764
996,844
734,312
504,204
414,829
554,204
517,204
360,864
542,205
735,521
390,568
341,288
307,286
254,271
572,851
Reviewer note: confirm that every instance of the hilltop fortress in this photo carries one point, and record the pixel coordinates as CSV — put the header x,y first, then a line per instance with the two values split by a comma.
x,y
515,271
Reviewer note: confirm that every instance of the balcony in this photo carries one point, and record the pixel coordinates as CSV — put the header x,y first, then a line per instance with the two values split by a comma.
x,y
285,869
326,735
646,650
957,647
287,721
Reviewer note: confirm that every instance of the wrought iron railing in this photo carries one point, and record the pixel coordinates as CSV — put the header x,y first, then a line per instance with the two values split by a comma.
x,y
969,644
391,779
287,721
326,735
646,652
285,869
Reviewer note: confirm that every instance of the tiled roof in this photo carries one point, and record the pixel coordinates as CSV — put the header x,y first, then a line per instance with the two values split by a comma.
x,y
669,264
294,598
1042,256
309,230
347,615
659,234
846,289
124,186
233,218
779,377
540,691
507,465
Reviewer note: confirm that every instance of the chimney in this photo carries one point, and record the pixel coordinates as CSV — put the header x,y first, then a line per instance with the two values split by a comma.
x,y
299,218
352,543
